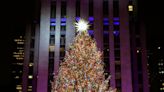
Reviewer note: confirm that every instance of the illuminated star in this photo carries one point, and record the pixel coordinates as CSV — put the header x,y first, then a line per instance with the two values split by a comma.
x,y
81,25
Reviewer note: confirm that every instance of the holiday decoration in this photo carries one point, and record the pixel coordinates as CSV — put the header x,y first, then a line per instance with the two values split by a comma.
x,y
82,69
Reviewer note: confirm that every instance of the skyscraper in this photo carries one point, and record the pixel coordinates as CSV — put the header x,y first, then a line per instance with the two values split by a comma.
x,y
17,63
156,68
114,26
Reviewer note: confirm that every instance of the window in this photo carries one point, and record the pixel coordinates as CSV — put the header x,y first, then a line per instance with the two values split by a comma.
x,y
32,30
30,72
32,43
138,42
116,38
78,8
52,41
116,27
63,28
63,9
130,8
105,8
118,83
117,53
31,56
106,37
62,40
30,64
52,28
90,7
30,76
115,8
51,54
53,9
117,68
51,48
106,27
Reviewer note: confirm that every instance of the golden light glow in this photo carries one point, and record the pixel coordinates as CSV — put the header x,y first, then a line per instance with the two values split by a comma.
x,y
87,67
18,87
16,77
138,51
162,88
30,64
29,86
130,8
51,48
81,25
30,76
29,89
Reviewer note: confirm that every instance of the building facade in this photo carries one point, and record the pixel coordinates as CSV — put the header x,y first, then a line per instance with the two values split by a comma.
x,y
17,64
156,67
115,28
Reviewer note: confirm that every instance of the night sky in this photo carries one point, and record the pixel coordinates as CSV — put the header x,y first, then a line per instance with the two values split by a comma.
x,y
17,12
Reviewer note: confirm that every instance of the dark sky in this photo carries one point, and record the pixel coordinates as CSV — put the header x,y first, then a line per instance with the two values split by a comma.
x,y
154,21
16,12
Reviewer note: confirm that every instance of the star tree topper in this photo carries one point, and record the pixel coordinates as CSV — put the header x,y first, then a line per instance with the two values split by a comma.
x,y
81,25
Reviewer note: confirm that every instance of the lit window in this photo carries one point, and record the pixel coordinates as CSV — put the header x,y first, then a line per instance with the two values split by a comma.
x,y
138,51
30,64
61,49
19,63
130,8
16,77
159,64
51,48
162,88
19,87
29,89
29,86
30,76
161,72
159,47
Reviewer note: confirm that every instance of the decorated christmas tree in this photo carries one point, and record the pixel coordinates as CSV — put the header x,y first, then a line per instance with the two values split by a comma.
x,y
82,69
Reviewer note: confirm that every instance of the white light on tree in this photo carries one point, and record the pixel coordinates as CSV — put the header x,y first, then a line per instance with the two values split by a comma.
x,y
81,25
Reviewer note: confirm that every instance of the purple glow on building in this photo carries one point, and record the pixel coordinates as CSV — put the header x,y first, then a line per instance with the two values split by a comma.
x,y
53,20
116,33
53,24
106,19
116,23
90,32
63,19
91,19
116,19
63,24
106,33
106,23
77,18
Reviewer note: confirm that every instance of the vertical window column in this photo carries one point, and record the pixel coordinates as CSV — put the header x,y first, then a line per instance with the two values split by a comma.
x,y
63,8
62,38
116,34
51,44
77,8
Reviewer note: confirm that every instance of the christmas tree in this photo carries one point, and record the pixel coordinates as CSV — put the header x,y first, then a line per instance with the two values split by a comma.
x,y
82,69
